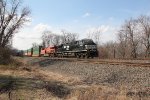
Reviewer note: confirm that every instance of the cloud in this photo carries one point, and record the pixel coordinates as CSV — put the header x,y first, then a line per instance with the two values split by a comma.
x,y
102,29
107,32
42,27
110,34
86,15
24,43
25,38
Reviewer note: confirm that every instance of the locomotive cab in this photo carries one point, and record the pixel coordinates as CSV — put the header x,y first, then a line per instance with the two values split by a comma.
x,y
89,47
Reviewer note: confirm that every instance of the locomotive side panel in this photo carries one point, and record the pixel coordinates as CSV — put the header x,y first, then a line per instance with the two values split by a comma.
x,y
51,51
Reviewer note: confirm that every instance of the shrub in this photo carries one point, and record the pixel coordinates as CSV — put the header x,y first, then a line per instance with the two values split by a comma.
x,y
5,56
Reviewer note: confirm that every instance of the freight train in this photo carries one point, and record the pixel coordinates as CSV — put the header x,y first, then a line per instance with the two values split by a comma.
x,y
84,48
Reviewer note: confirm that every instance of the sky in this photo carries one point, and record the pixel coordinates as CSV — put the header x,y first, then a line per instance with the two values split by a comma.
x,y
77,16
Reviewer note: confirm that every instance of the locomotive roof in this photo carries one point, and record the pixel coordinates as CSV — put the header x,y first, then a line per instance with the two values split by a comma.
x,y
85,41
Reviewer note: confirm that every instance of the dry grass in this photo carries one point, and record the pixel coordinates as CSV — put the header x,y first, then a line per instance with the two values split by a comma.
x,y
61,89
55,86
95,92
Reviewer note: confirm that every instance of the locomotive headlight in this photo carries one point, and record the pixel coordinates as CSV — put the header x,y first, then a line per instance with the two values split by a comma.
x,y
64,47
67,48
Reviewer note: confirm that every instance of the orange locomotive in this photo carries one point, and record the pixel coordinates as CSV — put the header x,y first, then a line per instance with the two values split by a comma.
x,y
49,51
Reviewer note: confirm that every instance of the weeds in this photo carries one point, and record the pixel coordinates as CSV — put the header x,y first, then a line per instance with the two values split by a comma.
x,y
58,90
5,56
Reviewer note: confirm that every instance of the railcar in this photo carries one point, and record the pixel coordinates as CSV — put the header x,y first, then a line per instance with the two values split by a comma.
x,y
30,52
25,53
36,51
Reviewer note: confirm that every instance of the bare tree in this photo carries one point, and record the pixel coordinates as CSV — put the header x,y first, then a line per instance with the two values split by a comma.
x,y
103,51
111,47
68,37
46,38
50,38
122,46
95,34
11,19
57,40
108,50
34,44
1,3
144,22
130,28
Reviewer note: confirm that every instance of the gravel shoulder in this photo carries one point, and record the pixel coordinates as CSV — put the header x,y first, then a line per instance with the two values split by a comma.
x,y
100,74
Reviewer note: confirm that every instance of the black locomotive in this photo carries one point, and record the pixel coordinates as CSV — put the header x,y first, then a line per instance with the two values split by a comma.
x,y
84,48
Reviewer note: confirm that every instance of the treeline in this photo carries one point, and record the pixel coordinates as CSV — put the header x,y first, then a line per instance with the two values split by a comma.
x,y
133,40
50,39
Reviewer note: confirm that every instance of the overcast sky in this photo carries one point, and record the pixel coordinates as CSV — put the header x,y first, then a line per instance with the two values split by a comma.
x,y
78,16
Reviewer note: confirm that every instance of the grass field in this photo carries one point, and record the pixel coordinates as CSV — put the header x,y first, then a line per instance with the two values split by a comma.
x,y
29,82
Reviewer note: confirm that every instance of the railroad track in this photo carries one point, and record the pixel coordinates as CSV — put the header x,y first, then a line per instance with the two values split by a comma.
x,y
136,63
115,62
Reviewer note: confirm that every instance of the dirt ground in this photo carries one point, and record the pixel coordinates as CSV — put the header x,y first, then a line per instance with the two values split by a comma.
x,y
34,81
